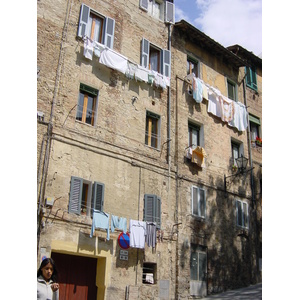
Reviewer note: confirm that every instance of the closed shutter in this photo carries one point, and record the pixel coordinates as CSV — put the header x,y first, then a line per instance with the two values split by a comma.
x,y
166,63
75,195
170,13
158,212
144,4
109,32
239,213
202,203
145,53
83,20
245,215
98,196
152,209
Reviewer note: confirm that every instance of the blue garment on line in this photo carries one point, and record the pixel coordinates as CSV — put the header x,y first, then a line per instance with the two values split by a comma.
x,y
197,90
120,223
100,220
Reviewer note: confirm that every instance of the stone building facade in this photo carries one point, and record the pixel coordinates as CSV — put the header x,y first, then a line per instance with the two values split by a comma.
x,y
116,137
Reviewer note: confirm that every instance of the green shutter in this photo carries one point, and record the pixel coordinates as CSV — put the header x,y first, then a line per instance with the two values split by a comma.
x,y
88,89
98,196
254,119
75,195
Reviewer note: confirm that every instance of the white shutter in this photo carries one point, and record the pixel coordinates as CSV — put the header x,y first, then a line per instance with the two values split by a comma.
x,y
109,32
145,53
166,63
83,20
144,4
170,13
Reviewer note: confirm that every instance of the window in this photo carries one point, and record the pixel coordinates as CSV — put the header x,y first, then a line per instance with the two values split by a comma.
x,y
156,59
242,215
192,66
198,202
194,135
96,26
198,263
85,196
86,107
231,88
149,273
236,151
159,9
152,137
254,127
251,80
152,209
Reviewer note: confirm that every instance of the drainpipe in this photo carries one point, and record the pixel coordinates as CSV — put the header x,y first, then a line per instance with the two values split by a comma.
x,y
249,144
169,102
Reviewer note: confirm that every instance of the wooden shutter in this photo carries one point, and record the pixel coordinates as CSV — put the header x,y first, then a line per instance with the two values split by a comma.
x,y
109,32
75,195
145,53
169,12
144,4
152,209
158,212
194,200
202,203
83,20
245,214
98,196
166,63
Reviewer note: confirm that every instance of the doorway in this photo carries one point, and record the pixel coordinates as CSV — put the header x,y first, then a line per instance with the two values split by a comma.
x,y
76,276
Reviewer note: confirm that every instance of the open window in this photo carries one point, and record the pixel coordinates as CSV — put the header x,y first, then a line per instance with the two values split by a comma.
x,y
87,103
198,202
149,273
159,9
251,78
156,59
242,214
192,66
96,26
152,132
85,196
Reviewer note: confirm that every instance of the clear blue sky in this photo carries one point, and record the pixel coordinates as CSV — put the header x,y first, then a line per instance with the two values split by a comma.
x,y
228,22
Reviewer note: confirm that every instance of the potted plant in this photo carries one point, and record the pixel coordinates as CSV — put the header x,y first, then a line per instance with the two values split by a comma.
x,y
258,141
234,168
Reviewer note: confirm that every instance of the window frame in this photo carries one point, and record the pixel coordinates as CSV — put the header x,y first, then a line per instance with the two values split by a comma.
x,y
107,31
152,209
200,214
152,267
239,146
251,78
197,128
244,217
164,60
94,196
87,92
234,85
254,122
198,249
167,10
190,59
150,117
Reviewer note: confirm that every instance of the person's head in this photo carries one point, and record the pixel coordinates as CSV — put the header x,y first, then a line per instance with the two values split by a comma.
x,y
48,269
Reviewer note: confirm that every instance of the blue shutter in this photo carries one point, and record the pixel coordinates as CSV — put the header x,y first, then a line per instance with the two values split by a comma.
x,y
166,63
75,195
83,20
145,53
169,12
109,32
98,196
144,4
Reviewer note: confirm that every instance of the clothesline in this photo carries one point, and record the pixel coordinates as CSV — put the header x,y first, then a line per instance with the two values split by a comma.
x,y
119,62
232,112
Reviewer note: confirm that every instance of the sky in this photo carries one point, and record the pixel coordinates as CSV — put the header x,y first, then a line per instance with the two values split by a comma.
x,y
228,22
